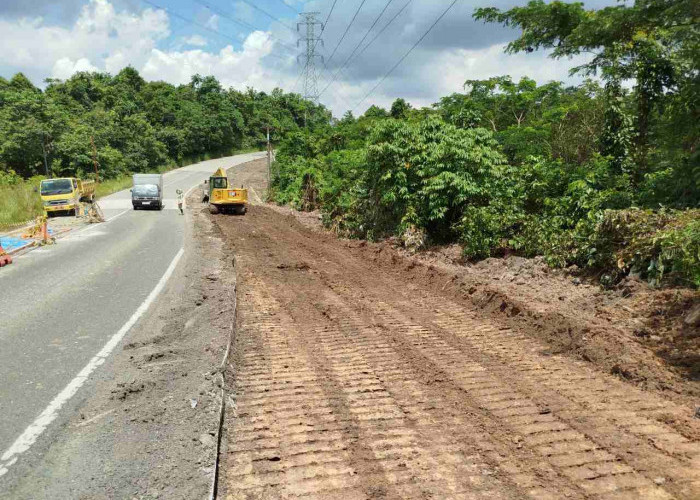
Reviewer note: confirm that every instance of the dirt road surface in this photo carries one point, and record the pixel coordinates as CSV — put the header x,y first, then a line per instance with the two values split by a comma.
x,y
355,377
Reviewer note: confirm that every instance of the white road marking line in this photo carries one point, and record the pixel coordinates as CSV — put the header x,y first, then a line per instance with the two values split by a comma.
x,y
92,226
36,428
118,215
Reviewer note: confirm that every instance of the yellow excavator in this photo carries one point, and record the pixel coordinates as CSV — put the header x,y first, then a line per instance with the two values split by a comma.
x,y
222,197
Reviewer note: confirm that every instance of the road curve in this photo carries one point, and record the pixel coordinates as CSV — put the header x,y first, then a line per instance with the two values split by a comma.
x,y
60,305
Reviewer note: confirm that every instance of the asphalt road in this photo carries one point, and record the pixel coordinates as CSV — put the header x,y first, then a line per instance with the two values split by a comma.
x,y
60,306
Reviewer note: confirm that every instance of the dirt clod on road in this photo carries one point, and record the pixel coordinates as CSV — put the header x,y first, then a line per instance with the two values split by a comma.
x,y
350,380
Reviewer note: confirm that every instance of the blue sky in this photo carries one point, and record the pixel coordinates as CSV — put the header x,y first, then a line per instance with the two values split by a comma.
x,y
244,46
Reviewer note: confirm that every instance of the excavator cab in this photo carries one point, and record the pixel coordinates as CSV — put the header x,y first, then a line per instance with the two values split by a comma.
x,y
225,198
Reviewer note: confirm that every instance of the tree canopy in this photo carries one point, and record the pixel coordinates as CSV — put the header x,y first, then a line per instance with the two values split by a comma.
x,y
137,125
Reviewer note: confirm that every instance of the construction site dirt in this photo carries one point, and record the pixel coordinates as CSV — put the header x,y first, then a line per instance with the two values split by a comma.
x,y
358,371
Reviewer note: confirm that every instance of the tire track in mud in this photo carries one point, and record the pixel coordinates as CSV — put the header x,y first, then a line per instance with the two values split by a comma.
x,y
353,384
601,436
335,427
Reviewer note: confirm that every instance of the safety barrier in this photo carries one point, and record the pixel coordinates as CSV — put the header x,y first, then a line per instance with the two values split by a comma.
x,y
9,227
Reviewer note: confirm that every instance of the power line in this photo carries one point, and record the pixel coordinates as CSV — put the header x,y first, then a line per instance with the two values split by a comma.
x,y
377,35
267,14
289,7
383,29
373,39
340,95
202,26
325,23
406,54
335,76
346,30
341,69
297,81
243,23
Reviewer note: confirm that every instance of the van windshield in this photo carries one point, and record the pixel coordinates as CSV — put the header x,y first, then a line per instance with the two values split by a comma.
x,y
145,190
56,186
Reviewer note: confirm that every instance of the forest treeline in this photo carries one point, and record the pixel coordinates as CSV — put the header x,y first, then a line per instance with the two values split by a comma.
x,y
135,126
604,175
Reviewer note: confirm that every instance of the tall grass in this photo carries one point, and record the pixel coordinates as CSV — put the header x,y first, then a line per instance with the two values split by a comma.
x,y
19,203
110,186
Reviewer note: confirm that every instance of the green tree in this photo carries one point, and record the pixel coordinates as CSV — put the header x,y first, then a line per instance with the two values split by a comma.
x,y
654,43
399,109
375,111
137,125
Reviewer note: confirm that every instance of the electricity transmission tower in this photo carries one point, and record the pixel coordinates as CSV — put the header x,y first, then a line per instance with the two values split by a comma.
x,y
308,59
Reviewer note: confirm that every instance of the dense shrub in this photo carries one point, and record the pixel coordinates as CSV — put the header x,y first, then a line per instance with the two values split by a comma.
x,y
650,244
519,186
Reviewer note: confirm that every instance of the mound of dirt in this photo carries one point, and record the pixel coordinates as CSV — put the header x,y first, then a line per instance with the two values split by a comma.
x,y
644,335
647,336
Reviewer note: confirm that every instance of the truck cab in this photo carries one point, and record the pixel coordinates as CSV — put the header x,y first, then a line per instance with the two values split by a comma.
x,y
65,194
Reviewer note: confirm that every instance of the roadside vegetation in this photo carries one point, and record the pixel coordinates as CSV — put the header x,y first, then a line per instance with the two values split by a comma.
x,y
604,175
18,201
135,126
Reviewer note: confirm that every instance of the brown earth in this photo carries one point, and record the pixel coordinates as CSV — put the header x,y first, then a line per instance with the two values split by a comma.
x,y
633,330
359,372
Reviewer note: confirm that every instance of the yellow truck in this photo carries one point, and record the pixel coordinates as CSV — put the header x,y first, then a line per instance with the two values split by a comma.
x,y
64,195
223,197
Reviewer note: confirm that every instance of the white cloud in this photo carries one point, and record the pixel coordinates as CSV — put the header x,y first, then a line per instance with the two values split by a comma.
x,y
65,67
196,40
100,38
239,69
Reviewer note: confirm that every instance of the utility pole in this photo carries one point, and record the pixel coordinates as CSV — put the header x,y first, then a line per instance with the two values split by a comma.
x,y
43,149
94,158
308,58
269,159
269,162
